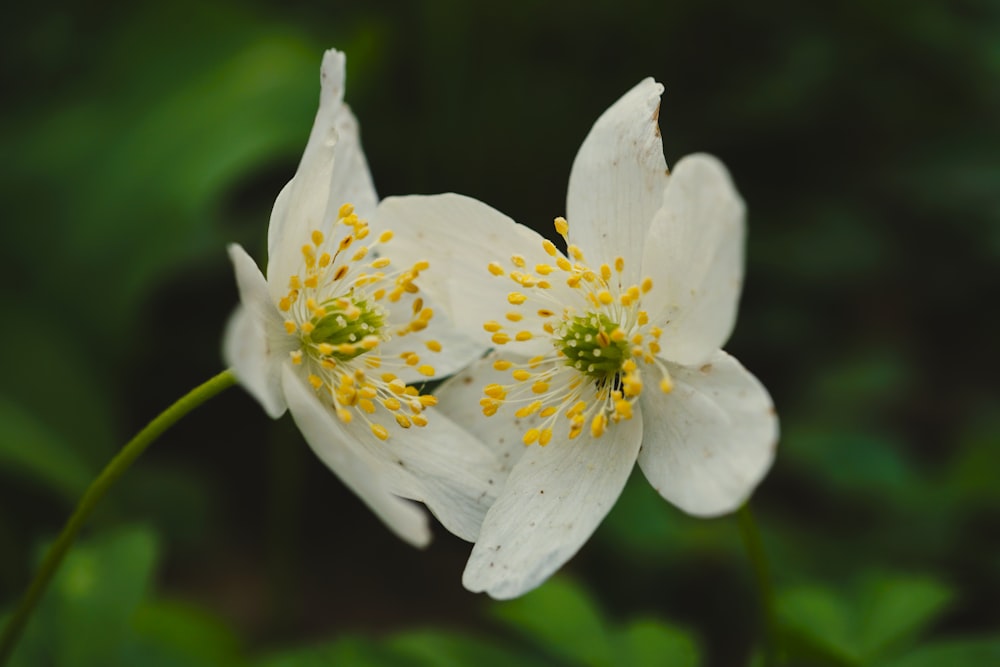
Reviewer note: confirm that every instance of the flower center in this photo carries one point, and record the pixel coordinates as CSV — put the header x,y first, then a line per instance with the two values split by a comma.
x,y
337,310
342,323
601,342
586,342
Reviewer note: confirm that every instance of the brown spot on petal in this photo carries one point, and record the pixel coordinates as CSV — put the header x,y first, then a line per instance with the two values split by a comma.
x,y
707,368
656,119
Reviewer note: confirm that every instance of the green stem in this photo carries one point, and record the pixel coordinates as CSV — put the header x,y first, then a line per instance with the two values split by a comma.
x,y
97,489
762,575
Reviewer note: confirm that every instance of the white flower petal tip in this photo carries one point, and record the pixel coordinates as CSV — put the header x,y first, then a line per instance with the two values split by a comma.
x,y
332,73
712,440
554,499
617,180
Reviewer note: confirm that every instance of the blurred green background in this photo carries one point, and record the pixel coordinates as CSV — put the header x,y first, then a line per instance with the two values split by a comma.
x,y
864,136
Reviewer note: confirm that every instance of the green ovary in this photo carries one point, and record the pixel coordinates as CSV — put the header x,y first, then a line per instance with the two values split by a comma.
x,y
337,328
586,341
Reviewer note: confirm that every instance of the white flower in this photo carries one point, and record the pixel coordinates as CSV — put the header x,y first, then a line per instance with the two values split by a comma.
x,y
607,355
338,329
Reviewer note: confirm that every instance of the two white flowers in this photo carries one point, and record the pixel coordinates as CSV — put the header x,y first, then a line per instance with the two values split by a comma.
x,y
572,366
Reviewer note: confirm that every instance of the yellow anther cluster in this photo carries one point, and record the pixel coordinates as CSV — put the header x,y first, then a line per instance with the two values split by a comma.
x,y
601,344
334,309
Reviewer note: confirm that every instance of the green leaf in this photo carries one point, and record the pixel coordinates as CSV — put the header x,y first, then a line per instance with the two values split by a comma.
x,y
647,526
85,616
30,450
434,648
955,653
878,615
71,398
353,651
818,622
562,619
853,462
895,609
96,592
650,643
182,634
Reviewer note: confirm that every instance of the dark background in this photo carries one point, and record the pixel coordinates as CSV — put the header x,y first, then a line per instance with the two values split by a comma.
x,y
139,140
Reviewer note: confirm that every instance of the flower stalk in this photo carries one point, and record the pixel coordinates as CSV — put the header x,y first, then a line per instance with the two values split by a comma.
x,y
93,495
762,577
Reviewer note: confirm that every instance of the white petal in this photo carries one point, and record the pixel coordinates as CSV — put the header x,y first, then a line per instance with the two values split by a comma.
x,y
347,458
443,466
248,344
457,350
351,181
460,236
709,442
694,254
458,398
302,204
552,502
616,184
246,351
253,288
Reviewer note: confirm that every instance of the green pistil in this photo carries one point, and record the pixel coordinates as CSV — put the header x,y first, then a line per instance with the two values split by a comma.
x,y
336,329
586,342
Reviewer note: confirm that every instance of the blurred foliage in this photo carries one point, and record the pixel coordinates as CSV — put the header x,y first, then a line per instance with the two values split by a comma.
x,y
140,139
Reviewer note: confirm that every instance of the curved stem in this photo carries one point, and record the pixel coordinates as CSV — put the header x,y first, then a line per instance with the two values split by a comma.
x,y
762,576
97,489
